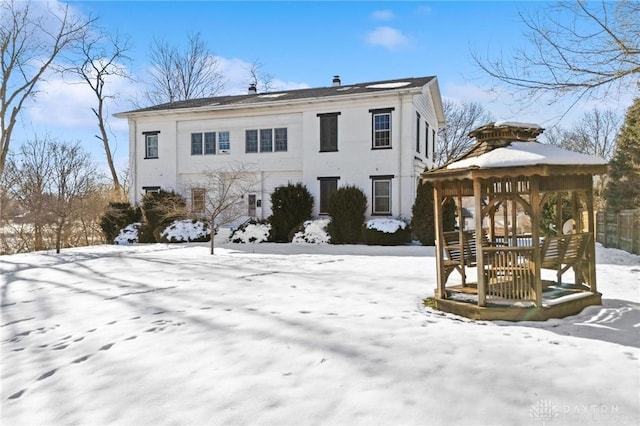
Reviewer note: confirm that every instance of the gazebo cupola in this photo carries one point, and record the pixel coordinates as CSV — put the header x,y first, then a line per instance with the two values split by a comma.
x,y
533,222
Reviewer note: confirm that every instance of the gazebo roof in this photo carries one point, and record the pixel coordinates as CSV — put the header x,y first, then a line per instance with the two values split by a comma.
x,y
506,148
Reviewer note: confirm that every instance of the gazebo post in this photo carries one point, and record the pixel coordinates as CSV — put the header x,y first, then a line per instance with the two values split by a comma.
x,y
591,249
437,208
536,215
478,216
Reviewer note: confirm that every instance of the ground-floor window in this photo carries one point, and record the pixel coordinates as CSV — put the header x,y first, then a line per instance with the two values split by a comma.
x,y
197,199
328,185
381,195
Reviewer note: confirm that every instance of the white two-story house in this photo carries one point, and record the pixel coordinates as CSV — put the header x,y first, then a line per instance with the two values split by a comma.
x,y
379,136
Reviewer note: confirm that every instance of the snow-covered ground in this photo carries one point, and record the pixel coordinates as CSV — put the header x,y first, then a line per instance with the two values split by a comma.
x,y
304,334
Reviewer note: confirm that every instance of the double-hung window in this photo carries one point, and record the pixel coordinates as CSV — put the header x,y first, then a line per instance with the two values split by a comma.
x,y
251,141
224,142
426,137
203,143
210,143
381,195
381,128
329,131
281,139
266,140
418,133
328,186
151,145
196,143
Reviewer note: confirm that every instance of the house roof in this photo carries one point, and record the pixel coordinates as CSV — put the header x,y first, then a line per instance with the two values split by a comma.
x,y
286,96
507,147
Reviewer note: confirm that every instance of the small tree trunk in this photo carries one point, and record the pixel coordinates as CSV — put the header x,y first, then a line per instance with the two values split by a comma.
x,y
213,234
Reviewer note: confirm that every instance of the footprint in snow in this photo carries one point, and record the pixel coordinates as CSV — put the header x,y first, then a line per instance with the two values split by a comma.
x,y
81,359
106,347
47,374
17,394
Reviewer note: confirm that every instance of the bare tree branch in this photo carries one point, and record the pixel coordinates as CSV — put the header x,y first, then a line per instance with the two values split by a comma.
x,y
29,44
181,74
577,49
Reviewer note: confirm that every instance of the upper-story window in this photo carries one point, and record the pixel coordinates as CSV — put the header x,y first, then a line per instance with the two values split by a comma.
x,y
203,143
329,131
426,137
151,144
418,132
224,142
263,140
251,141
281,139
266,140
433,143
381,129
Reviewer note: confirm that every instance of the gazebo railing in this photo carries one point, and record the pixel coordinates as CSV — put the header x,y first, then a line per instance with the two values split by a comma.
x,y
508,272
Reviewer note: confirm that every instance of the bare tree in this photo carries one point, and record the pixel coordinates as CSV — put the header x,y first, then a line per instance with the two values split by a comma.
x,y
461,118
222,194
102,57
580,49
261,80
49,181
594,134
29,174
30,42
73,179
179,74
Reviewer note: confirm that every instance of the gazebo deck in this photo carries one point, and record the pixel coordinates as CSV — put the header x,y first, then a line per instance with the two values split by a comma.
x,y
558,300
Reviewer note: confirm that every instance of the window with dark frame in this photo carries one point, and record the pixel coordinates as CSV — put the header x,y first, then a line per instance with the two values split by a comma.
x,y
151,144
418,132
210,143
266,140
251,141
281,139
196,143
381,128
329,131
381,195
328,186
197,199
426,141
151,189
433,143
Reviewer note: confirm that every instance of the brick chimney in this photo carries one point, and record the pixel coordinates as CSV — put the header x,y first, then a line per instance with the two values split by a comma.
x,y
336,80
252,89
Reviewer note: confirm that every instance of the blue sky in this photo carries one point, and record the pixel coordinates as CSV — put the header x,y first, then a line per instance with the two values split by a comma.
x,y
303,44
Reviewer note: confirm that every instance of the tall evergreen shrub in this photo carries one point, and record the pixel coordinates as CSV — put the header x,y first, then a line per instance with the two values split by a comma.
x,y
116,217
290,205
623,187
347,208
423,215
159,210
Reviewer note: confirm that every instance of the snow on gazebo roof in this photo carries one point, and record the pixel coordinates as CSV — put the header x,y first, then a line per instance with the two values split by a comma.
x,y
513,144
526,154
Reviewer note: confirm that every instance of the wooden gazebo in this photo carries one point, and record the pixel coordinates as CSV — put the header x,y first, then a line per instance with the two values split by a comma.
x,y
506,265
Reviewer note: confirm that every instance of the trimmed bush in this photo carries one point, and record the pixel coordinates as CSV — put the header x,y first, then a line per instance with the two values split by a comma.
x,y
347,207
387,232
188,230
291,205
254,231
423,215
159,210
116,217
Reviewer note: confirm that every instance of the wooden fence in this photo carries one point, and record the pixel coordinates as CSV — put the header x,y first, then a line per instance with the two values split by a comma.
x,y
619,230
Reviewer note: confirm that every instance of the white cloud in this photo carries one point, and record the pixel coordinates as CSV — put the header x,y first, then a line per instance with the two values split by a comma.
x,y
383,15
388,37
